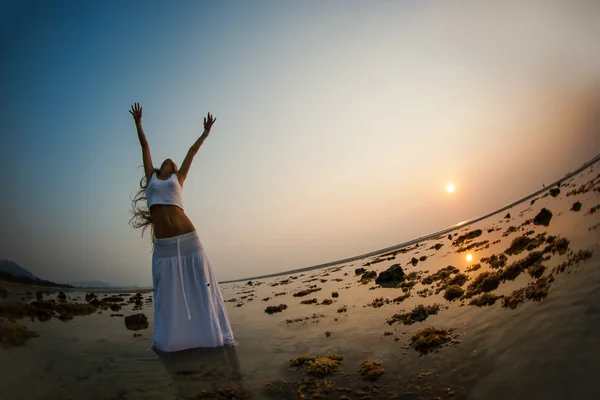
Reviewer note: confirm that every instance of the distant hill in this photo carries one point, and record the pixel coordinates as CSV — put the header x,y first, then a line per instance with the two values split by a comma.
x,y
12,272
15,269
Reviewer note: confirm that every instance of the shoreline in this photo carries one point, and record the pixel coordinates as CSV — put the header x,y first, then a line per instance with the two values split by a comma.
x,y
433,235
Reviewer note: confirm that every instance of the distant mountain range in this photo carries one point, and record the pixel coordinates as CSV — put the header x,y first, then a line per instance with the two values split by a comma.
x,y
91,284
15,269
12,272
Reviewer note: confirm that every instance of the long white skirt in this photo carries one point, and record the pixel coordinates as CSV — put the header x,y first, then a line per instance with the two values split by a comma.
x,y
189,310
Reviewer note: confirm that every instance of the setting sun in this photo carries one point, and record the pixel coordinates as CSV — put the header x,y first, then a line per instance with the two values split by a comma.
x,y
469,257
450,187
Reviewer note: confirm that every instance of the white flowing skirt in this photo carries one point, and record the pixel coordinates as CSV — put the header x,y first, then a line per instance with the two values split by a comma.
x,y
189,310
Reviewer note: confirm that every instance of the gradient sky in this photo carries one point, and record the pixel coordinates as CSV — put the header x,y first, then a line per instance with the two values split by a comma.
x,y
339,123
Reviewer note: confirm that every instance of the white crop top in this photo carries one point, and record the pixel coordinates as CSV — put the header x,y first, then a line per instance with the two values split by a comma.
x,y
166,192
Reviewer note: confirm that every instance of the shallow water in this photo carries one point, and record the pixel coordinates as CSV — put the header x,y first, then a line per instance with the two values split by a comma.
x,y
544,349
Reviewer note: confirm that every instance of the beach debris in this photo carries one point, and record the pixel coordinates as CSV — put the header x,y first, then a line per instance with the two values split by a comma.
x,y
280,294
414,261
327,302
418,314
391,277
507,216
371,370
13,334
360,271
438,246
328,333
335,294
431,339
306,292
554,192
543,217
576,206
453,292
317,366
136,322
311,301
266,299
342,309
275,309
485,299
422,258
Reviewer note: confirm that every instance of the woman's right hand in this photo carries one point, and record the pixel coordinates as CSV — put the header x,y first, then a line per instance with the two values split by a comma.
x,y
136,112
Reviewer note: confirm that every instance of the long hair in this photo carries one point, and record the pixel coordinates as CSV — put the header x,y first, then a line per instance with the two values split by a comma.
x,y
141,214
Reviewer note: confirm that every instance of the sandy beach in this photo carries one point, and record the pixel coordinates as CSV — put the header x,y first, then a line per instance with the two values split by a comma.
x,y
506,307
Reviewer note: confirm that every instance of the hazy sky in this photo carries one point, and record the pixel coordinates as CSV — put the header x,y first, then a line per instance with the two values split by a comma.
x,y
339,123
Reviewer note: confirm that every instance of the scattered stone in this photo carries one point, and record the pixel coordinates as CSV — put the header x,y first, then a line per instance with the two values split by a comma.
x,y
327,333
266,299
576,206
438,246
61,296
414,261
327,302
554,192
3,292
509,230
422,258
342,309
371,370
507,216
115,307
335,294
368,276
311,301
391,277
543,217
275,309
136,322
360,271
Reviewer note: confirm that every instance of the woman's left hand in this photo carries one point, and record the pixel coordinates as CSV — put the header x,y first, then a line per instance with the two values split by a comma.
x,y
208,122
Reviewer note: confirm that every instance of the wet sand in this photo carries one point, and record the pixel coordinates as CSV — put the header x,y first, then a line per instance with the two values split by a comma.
x,y
543,347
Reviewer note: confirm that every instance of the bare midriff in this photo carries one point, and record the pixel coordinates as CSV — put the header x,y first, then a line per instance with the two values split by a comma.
x,y
170,221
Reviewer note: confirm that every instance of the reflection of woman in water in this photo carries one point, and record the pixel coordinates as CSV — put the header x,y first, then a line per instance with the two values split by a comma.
x,y
189,310
214,369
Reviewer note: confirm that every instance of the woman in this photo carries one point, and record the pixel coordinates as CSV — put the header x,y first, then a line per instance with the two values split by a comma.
x,y
189,311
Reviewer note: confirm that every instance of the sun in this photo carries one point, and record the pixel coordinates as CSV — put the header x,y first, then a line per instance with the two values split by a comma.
x,y
469,257
450,187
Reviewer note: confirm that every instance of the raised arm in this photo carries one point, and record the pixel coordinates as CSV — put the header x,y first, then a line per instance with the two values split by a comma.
x,y
136,112
187,162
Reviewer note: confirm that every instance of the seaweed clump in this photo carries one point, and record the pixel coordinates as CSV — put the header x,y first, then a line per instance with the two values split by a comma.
x,y
430,339
306,292
485,299
371,370
316,366
495,261
536,291
418,314
484,282
13,334
453,292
